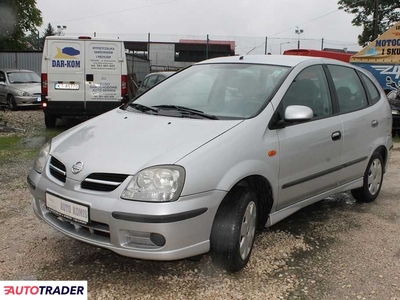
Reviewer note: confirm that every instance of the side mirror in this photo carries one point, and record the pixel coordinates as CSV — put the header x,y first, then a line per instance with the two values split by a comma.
x,y
139,83
298,113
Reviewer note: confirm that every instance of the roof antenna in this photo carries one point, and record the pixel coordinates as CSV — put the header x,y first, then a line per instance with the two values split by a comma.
x,y
251,50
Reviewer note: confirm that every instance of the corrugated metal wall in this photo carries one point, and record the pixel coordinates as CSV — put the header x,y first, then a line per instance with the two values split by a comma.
x,y
21,60
33,61
137,65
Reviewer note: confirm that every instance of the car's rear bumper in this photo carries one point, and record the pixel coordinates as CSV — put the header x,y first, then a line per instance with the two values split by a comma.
x,y
396,122
79,108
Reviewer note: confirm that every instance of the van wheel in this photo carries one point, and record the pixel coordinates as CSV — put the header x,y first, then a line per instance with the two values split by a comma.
x,y
232,234
11,102
373,178
50,120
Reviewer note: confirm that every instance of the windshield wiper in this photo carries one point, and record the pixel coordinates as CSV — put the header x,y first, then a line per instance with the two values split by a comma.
x,y
33,81
142,107
188,110
17,82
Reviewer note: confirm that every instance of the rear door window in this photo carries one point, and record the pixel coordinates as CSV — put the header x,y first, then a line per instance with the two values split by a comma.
x,y
349,89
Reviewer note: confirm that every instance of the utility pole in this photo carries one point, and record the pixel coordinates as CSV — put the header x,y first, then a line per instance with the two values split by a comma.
x,y
266,45
322,44
375,23
208,42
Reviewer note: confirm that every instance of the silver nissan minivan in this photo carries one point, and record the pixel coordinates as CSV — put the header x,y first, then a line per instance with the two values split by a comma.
x,y
225,147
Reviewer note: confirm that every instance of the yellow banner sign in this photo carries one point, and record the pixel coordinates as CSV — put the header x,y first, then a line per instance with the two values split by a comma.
x,y
385,49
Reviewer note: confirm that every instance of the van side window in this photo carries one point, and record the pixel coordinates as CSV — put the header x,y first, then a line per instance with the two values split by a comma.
x,y
349,90
371,88
310,88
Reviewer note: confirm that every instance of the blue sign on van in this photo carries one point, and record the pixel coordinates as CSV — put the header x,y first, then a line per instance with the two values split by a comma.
x,y
67,58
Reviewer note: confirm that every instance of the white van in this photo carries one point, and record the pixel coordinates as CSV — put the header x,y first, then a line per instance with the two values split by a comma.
x,y
82,77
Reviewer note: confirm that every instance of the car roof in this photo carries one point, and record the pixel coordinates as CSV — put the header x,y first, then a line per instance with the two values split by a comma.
x,y
16,70
281,60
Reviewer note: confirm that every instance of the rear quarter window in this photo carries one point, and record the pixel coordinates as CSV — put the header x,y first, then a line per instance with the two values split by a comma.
x,y
371,88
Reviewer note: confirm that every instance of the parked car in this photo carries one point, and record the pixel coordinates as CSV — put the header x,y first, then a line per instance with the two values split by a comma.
x,y
19,88
151,80
213,153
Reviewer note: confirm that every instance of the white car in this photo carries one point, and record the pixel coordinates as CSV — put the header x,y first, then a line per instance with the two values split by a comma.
x,y
209,155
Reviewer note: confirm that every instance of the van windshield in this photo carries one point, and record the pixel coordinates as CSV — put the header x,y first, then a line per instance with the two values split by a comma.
x,y
221,90
23,77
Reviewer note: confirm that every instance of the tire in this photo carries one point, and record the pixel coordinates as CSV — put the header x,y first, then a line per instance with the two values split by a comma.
x,y
11,103
372,181
233,231
50,121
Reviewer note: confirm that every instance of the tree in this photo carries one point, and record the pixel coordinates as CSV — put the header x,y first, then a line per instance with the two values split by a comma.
x,y
49,31
387,15
17,17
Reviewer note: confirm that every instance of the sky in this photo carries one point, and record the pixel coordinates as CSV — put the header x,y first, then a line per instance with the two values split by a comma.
x,y
247,22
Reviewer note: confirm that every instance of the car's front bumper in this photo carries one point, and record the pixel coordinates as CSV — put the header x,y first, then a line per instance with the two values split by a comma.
x,y
28,101
125,227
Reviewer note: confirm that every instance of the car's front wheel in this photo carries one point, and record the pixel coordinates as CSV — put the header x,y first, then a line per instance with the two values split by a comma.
x,y
11,102
372,180
234,228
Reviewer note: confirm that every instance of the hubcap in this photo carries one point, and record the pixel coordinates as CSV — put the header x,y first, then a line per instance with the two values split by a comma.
x,y
374,176
9,102
248,230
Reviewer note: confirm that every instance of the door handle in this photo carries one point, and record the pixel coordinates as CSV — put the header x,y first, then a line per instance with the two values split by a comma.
x,y
374,123
337,135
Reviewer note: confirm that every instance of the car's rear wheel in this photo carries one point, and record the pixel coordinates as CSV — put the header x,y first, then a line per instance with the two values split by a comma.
x,y
11,102
234,228
50,120
372,180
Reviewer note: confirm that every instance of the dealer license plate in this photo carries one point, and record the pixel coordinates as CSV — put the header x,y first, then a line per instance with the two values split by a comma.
x,y
67,209
66,86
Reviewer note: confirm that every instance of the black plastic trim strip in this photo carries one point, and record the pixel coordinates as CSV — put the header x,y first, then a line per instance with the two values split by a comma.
x,y
30,182
323,173
159,219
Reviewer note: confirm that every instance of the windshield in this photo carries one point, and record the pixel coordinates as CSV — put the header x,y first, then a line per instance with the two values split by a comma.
x,y
23,77
221,90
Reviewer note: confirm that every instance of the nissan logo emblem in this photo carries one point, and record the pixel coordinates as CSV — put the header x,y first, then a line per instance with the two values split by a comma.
x,y
76,168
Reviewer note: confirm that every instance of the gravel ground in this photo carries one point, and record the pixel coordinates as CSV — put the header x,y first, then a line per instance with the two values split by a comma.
x,y
335,249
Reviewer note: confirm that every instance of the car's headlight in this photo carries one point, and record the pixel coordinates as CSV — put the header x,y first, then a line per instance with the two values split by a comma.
x,y
158,184
395,112
24,94
41,159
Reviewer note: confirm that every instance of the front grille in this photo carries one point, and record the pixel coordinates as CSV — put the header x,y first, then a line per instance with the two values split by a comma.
x,y
57,169
103,182
94,230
